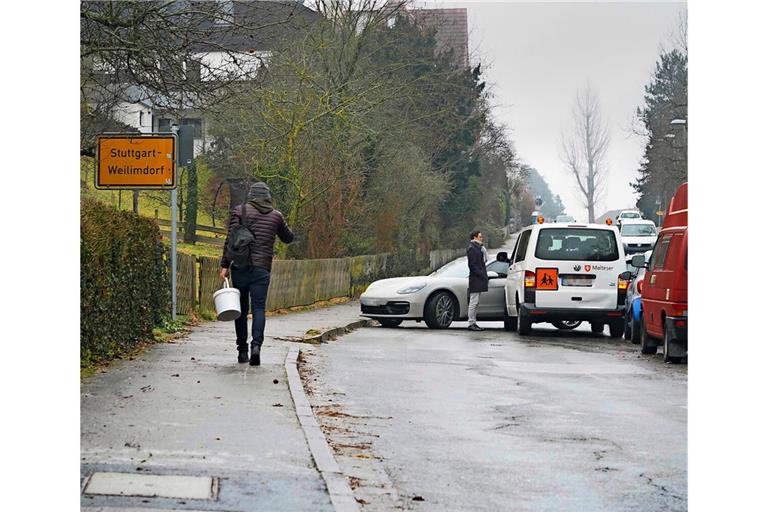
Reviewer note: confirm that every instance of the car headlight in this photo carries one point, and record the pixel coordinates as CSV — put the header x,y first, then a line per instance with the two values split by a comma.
x,y
411,288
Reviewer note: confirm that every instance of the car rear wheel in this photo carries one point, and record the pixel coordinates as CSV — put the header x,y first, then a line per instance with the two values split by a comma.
x,y
597,327
389,322
647,344
566,325
523,323
440,310
616,328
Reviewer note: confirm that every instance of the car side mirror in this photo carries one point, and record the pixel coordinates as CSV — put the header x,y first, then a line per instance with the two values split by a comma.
x,y
502,256
626,275
638,260
492,274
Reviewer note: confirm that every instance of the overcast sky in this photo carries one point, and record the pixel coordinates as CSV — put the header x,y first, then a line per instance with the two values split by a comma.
x,y
540,53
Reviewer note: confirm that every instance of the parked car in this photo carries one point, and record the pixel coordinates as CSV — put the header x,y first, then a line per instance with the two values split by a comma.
x,y
633,304
573,272
665,287
638,235
628,215
439,299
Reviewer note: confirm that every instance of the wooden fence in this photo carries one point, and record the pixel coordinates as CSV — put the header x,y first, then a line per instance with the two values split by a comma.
x,y
294,282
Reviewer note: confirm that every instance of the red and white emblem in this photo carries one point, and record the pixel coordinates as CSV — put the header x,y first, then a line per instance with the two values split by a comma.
x,y
587,267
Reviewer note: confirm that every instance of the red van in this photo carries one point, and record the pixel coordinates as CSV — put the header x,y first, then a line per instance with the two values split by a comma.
x,y
665,289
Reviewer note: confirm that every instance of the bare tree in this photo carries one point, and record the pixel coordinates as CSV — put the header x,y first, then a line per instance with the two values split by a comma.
x,y
584,149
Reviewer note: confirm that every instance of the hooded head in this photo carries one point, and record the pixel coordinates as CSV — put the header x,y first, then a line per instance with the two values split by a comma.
x,y
259,190
260,197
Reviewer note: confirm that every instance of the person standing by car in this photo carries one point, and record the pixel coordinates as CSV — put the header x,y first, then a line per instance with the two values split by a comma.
x,y
265,223
478,275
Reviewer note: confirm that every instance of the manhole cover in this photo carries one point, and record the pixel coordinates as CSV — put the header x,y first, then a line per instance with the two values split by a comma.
x,y
151,486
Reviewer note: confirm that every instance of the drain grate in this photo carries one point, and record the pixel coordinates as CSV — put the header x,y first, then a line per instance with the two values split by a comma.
x,y
152,486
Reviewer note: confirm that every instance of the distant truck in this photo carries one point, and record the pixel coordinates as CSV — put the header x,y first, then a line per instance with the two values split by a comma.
x,y
665,288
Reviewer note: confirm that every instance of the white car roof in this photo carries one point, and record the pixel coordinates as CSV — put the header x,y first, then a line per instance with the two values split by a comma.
x,y
637,221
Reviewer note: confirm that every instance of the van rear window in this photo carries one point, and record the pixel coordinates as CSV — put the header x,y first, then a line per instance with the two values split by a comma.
x,y
577,244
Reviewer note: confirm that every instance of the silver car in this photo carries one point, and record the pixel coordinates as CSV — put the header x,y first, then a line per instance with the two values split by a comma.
x,y
439,298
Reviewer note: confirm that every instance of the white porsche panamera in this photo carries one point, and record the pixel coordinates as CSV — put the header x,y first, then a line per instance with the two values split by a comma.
x,y
439,298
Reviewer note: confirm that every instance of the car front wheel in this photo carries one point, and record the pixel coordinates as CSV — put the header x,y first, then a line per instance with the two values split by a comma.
x,y
440,311
566,325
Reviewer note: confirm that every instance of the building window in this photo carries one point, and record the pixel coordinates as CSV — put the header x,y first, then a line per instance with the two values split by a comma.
x,y
196,125
225,12
164,125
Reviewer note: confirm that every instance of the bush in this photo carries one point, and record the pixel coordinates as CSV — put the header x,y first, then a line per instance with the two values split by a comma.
x,y
124,285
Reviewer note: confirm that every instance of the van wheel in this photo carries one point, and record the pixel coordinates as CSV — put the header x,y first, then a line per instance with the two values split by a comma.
x,y
647,344
523,323
510,324
440,311
389,322
597,327
615,328
667,357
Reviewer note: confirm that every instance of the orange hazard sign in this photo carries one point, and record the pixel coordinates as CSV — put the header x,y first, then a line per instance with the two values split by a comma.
x,y
546,279
136,161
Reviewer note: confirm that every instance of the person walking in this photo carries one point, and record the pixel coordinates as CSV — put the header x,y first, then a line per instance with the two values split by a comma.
x,y
265,223
477,255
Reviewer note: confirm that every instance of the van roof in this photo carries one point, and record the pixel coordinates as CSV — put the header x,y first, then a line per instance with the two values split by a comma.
x,y
561,225
677,213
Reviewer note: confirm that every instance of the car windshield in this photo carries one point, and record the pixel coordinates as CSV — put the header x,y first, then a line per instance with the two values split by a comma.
x,y
459,268
638,230
583,244
456,268
630,215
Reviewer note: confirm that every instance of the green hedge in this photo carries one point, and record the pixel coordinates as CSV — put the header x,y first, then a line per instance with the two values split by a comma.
x,y
124,286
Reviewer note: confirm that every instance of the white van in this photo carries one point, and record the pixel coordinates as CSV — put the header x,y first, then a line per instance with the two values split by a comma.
x,y
567,272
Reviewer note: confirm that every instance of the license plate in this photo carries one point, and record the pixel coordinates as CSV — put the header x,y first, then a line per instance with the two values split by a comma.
x,y
576,281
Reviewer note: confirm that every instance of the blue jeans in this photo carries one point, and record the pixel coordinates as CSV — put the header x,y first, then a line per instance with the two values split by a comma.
x,y
253,284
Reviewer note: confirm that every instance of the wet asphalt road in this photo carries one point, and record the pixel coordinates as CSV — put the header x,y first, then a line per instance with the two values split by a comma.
x,y
455,420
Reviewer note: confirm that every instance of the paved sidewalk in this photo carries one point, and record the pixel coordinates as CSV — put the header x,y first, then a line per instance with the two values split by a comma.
x,y
189,409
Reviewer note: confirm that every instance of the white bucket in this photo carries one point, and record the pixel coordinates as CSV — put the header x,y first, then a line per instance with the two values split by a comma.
x,y
227,301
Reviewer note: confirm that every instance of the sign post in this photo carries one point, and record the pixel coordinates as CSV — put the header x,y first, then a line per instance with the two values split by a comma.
x,y
136,162
174,215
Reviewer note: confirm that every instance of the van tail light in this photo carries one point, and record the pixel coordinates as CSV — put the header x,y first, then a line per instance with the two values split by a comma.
x,y
679,323
530,279
623,284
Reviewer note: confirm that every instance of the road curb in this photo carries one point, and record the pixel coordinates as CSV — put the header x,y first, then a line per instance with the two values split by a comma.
x,y
342,498
326,336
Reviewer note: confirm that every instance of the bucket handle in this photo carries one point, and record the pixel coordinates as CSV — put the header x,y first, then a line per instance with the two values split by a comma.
x,y
226,283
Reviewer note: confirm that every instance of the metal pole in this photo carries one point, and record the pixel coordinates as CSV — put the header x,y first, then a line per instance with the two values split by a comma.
x,y
173,254
174,208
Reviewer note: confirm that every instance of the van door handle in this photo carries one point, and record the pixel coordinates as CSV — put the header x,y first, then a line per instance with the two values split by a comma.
x,y
653,278
576,298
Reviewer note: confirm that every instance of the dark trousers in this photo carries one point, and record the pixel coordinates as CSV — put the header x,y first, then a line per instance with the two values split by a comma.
x,y
253,284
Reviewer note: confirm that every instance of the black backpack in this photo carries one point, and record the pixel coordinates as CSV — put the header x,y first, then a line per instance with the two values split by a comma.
x,y
238,249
